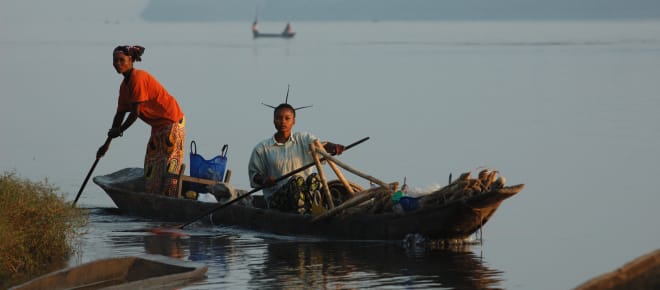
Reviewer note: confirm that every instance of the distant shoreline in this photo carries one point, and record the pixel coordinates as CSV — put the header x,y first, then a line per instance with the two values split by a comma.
x,y
398,10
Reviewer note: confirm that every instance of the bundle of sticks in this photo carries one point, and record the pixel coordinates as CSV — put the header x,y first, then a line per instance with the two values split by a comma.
x,y
375,199
464,187
378,199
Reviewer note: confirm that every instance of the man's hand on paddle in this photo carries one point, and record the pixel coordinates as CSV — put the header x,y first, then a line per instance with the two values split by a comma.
x,y
334,149
264,181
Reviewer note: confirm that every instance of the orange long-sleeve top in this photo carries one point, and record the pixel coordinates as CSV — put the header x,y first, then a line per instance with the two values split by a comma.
x,y
158,107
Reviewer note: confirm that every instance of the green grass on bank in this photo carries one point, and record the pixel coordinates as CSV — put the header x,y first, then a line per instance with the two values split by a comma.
x,y
38,228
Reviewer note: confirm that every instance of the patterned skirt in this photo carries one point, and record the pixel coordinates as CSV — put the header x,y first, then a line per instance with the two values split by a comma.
x,y
296,195
164,157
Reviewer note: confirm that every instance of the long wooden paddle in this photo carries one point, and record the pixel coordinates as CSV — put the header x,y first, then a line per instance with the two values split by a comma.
x,y
107,143
285,176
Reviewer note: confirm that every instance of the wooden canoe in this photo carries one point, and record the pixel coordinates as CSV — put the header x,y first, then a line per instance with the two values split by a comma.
x,y
130,272
256,34
287,33
456,220
641,273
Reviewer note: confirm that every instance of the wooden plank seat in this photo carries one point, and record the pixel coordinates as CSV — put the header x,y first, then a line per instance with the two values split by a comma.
x,y
182,178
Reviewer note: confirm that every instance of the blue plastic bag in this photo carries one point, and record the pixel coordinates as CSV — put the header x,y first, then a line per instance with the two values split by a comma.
x,y
409,203
200,167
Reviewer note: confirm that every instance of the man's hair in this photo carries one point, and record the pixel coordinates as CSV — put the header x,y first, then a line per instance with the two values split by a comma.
x,y
284,106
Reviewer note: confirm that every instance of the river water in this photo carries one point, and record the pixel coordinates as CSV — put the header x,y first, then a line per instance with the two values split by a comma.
x,y
569,108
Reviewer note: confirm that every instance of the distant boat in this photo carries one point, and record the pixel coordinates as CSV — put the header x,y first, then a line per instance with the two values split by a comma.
x,y
287,33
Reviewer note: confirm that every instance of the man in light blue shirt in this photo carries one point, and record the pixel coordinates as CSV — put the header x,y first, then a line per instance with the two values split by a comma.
x,y
280,154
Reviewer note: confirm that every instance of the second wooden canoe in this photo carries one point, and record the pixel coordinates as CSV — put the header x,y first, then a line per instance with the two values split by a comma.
x,y
129,272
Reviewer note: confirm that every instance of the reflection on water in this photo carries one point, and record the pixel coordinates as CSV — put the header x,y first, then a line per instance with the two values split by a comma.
x,y
164,245
241,259
373,264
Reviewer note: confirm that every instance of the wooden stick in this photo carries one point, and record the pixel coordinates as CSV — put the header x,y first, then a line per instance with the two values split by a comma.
x,y
179,182
352,170
89,174
358,199
384,199
227,176
338,173
319,168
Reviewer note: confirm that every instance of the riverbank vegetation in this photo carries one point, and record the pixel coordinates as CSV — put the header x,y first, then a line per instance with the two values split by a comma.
x,y
38,228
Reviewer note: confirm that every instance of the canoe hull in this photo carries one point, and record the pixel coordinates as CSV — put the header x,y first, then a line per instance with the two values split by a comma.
x,y
456,220
278,35
130,272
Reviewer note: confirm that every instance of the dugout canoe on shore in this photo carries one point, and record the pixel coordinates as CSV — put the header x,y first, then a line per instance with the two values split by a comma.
x,y
457,218
641,273
129,272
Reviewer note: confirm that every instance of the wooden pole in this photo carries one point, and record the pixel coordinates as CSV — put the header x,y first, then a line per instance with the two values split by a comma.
x,y
358,199
338,173
179,182
89,174
353,170
227,176
319,168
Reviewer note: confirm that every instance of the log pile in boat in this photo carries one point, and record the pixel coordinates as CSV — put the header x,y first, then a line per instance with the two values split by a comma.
x,y
380,199
465,187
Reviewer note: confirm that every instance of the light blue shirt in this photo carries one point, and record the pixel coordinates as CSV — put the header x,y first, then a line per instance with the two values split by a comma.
x,y
270,158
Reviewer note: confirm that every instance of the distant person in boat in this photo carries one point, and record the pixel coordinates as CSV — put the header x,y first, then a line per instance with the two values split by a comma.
x,y
280,154
287,29
142,96
255,30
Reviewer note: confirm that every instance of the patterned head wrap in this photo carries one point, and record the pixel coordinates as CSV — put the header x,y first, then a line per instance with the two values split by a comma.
x,y
134,51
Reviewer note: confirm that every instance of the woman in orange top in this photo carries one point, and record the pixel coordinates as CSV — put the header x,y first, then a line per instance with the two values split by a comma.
x,y
142,96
